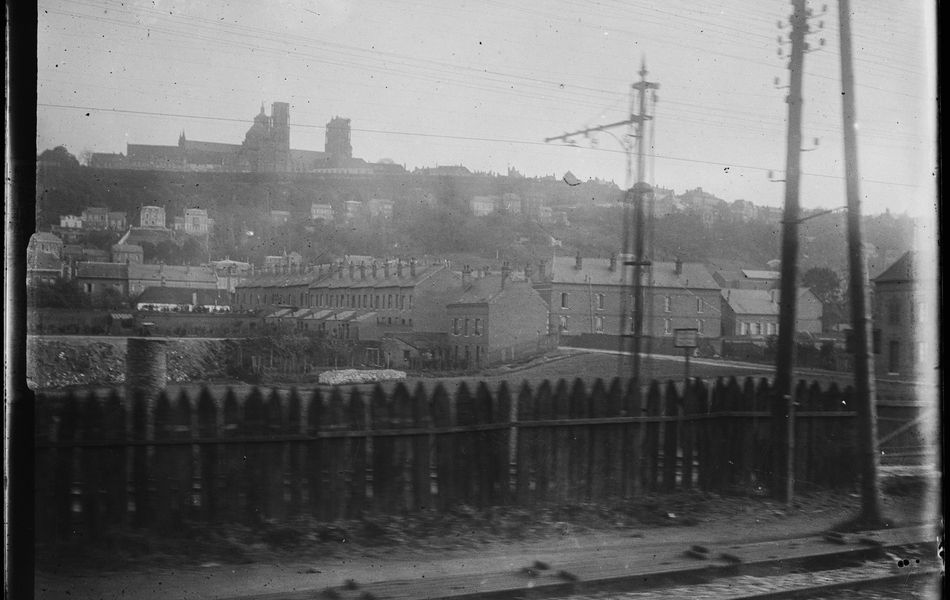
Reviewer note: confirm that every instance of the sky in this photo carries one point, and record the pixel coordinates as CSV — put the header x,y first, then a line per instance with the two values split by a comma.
x,y
483,83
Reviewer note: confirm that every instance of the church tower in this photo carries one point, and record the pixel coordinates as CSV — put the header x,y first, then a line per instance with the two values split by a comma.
x,y
338,145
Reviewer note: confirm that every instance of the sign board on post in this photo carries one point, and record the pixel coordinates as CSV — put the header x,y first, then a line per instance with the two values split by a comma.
x,y
685,338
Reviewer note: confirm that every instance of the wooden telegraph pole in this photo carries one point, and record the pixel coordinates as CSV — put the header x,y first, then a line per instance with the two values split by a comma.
x,y
858,279
785,351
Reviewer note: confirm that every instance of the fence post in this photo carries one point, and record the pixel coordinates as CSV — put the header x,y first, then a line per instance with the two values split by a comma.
x,y
599,466
421,451
615,461
333,457
652,441
274,458
208,429
746,455
579,453
691,407
294,450
164,425
670,437
402,456
232,462
466,463
356,447
526,452
255,482
762,439
313,468
91,427
633,475
503,443
485,455
140,463
561,449
114,463
445,473
544,457
382,451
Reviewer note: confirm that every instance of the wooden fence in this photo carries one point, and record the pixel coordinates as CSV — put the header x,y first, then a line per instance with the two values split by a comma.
x,y
115,462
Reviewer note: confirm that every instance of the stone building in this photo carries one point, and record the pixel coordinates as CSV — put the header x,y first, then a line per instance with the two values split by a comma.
x,y
903,311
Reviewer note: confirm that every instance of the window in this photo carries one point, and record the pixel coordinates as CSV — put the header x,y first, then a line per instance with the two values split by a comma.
x,y
466,326
699,305
758,328
894,312
389,321
402,303
599,324
563,299
468,353
455,326
478,326
478,354
894,357
405,355
410,301
771,329
700,325
667,326
564,323
601,301
744,328
456,353
667,304
389,302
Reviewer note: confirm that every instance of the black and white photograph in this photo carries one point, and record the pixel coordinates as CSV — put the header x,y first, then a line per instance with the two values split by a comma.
x,y
476,299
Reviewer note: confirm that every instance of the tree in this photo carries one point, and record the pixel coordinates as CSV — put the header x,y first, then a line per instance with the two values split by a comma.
x,y
829,288
58,156
59,294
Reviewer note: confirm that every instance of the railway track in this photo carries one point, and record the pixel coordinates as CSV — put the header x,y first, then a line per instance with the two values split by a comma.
x,y
910,571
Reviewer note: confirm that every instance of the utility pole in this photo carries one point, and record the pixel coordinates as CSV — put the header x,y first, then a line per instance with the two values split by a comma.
x,y
635,199
858,278
785,351
639,195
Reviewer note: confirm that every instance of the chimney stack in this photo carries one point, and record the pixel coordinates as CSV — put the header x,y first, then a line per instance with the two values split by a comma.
x,y
412,267
386,269
613,261
399,268
679,266
578,261
540,270
339,269
528,272
466,275
362,270
505,274
374,269
352,270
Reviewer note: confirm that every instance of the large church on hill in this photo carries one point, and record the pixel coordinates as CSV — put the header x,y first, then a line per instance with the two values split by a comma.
x,y
266,149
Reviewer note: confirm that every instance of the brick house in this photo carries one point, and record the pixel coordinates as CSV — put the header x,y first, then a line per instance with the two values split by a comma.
x,y
754,313
141,277
496,320
592,296
45,242
95,218
903,312
95,277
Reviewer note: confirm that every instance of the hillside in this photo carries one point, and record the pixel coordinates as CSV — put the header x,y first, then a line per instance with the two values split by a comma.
x,y
432,218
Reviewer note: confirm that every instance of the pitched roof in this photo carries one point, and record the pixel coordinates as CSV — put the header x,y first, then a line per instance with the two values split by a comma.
x,y
44,236
172,273
751,302
759,302
335,281
43,261
596,271
903,270
173,295
102,270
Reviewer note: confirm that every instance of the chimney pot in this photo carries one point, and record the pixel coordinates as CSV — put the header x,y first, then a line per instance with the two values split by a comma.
x,y
679,266
578,262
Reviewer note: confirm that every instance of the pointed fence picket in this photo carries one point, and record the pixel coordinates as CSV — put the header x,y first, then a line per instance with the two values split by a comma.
x,y
160,463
